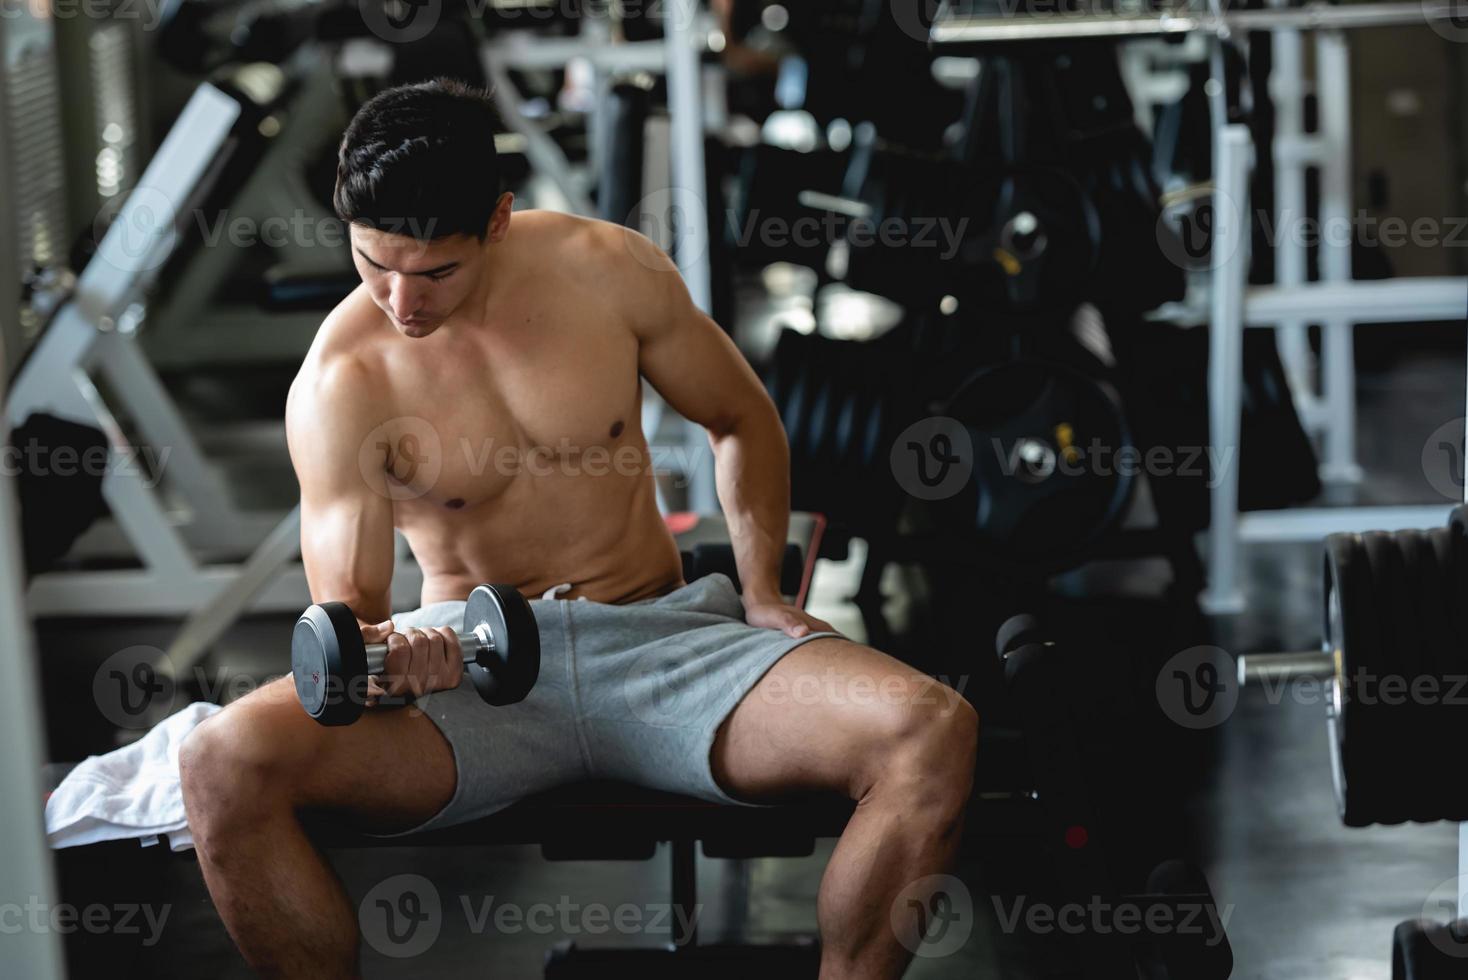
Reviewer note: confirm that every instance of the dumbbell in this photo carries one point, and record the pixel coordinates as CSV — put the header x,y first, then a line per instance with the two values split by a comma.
x,y
331,664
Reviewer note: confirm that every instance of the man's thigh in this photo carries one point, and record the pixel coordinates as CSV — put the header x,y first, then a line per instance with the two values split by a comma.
x,y
391,769
821,719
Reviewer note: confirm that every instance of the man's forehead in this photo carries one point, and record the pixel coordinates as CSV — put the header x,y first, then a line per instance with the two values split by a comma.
x,y
403,252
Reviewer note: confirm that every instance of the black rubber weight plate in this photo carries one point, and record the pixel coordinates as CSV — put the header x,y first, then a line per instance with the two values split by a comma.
x,y
1452,660
1423,950
329,663
1457,577
1383,693
1422,701
1351,629
509,674
1440,656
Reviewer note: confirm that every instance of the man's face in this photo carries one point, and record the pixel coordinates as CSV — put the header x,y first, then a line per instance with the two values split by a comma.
x,y
418,284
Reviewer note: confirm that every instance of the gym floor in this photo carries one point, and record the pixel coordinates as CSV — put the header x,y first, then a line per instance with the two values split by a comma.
x,y
1308,899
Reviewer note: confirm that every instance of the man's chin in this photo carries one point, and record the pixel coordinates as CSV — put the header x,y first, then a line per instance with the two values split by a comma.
x,y
418,328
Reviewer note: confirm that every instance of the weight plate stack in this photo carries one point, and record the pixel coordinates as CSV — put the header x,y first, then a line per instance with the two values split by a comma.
x,y
1421,592
838,400
1393,670
1458,578
1447,724
1394,626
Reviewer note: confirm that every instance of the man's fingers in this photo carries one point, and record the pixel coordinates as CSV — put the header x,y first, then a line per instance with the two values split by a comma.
x,y
418,662
453,659
396,664
376,632
422,661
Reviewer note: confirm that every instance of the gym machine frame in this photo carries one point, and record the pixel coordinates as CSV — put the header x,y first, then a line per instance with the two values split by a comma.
x,y
91,337
1337,302
29,874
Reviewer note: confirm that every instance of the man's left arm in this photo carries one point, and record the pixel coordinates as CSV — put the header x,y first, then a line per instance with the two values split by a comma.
x,y
700,373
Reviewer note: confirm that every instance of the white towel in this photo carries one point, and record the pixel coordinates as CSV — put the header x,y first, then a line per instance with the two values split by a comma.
x,y
132,792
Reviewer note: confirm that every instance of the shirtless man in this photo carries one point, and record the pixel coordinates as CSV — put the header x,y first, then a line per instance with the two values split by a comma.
x,y
480,392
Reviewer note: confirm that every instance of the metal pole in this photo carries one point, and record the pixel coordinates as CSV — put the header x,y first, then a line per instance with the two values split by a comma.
x,y
1291,151
951,30
1225,362
688,201
1333,71
1463,827
33,950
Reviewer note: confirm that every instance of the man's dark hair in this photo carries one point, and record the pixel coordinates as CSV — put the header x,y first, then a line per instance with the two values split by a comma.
x,y
419,160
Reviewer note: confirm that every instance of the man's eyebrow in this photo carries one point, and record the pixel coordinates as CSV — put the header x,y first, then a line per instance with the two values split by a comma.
x,y
436,270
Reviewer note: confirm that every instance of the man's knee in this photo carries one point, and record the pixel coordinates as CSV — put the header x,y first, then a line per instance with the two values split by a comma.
x,y
236,763
931,743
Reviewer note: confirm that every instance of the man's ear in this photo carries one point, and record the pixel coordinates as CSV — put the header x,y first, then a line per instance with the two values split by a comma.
x,y
499,219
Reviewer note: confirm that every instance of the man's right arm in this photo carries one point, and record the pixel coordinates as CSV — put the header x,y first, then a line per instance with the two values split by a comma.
x,y
346,510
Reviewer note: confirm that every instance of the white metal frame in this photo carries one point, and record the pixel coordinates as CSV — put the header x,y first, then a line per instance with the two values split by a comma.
x,y
92,338
29,876
1337,303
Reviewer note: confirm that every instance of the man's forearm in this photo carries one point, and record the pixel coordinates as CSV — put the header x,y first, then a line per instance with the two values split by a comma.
x,y
752,463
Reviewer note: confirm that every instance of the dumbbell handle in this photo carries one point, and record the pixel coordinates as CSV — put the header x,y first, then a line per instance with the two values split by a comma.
x,y
472,645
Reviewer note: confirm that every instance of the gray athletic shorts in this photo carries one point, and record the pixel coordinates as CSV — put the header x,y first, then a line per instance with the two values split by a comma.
x,y
634,692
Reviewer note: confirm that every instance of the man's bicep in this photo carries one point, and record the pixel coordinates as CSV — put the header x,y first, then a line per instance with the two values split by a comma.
x,y
346,510
347,548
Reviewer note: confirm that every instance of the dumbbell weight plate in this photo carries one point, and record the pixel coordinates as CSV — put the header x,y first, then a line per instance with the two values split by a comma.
x,y
1395,754
1425,950
1422,592
1036,258
1349,630
1015,632
1458,578
505,674
326,644
1043,517
1452,660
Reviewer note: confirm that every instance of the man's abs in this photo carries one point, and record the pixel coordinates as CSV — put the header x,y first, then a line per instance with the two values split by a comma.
x,y
602,534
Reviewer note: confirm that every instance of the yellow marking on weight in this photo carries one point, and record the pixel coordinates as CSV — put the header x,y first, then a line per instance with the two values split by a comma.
x,y
1007,261
1065,439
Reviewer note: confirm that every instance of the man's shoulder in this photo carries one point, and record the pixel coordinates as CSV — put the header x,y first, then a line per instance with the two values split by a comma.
x,y
588,248
341,360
